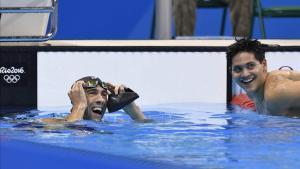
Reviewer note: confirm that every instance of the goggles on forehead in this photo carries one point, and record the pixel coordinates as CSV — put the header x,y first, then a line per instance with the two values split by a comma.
x,y
114,102
92,83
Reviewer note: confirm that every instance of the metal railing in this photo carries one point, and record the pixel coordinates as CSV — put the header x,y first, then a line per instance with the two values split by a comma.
x,y
53,11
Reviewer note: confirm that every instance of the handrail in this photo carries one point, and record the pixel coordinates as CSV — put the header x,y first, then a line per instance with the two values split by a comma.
x,y
53,10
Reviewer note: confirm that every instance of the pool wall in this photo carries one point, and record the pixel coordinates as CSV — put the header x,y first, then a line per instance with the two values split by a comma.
x,y
159,77
160,71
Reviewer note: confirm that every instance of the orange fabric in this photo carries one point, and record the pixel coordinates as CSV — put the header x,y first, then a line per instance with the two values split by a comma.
x,y
243,101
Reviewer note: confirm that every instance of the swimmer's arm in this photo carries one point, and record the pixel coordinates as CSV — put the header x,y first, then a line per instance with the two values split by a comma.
x,y
52,120
76,113
134,112
79,102
131,109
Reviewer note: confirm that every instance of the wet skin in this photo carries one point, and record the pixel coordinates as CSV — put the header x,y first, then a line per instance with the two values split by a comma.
x,y
249,73
276,92
90,103
96,103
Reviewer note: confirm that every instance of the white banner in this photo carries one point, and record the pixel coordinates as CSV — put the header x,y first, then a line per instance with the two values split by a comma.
x,y
158,77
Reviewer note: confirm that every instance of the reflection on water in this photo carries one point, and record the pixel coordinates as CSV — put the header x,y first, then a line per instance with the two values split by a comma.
x,y
195,135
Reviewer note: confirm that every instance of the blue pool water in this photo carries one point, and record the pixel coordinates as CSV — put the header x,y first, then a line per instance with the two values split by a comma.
x,y
191,135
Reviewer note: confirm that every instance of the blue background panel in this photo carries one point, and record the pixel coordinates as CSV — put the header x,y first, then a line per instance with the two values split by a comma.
x,y
119,19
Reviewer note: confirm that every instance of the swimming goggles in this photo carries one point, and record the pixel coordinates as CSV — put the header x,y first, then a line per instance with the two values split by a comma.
x,y
92,83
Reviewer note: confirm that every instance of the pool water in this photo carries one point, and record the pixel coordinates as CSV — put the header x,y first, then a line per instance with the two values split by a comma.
x,y
193,135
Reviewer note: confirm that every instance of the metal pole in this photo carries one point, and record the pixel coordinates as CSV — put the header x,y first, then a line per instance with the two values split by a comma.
x,y
163,19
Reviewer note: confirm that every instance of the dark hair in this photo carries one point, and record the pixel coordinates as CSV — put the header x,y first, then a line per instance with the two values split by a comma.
x,y
246,45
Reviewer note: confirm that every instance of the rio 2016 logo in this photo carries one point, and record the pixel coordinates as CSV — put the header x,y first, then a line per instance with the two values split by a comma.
x,y
11,78
11,75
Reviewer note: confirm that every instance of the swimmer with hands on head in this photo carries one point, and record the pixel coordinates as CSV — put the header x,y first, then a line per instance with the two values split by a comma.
x,y
90,97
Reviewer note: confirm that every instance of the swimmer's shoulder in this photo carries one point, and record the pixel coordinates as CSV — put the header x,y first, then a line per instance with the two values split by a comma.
x,y
278,78
282,78
278,87
274,78
275,84
279,74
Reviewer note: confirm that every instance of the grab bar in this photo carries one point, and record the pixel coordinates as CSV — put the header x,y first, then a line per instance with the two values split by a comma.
x,y
53,11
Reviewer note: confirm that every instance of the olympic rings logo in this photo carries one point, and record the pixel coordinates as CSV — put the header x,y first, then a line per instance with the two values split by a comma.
x,y
11,78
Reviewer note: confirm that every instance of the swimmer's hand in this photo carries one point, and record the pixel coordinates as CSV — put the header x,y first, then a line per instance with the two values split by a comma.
x,y
131,109
78,100
115,89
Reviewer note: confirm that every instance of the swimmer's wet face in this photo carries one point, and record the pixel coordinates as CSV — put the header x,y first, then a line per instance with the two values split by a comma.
x,y
248,72
96,103
96,93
